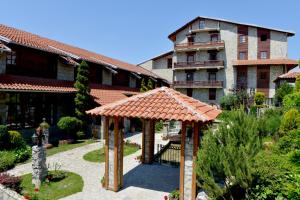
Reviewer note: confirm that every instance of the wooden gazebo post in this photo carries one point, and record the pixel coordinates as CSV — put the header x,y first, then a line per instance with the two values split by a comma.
x,y
188,156
113,153
148,138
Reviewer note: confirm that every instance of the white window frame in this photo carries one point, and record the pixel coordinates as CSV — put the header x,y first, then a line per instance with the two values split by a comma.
x,y
263,55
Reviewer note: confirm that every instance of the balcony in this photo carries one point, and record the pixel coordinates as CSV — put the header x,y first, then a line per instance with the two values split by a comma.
x,y
198,84
195,46
208,64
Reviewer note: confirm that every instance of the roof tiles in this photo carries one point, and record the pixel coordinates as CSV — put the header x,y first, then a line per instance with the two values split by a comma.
x,y
161,103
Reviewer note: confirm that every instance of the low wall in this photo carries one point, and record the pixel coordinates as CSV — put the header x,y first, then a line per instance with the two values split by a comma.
x,y
7,194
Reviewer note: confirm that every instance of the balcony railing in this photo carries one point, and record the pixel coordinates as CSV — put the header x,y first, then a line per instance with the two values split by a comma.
x,y
199,45
196,64
198,84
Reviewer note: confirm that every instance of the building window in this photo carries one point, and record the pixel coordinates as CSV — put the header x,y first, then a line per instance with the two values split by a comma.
x,y
190,76
202,24
213,55
263,37
189,92
242,55
190,57
169,63
263,55
191,39
212,76
212,93
242,38
11,58
214,37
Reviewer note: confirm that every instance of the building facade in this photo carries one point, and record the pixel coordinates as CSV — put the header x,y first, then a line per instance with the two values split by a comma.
x,y
37,77
212,57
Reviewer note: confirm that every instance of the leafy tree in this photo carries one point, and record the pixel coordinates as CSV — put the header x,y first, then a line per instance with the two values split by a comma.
x,y
82,99
149,84
290,121
282,91
143,86
259,98
70,125
224,161
297,84
292,100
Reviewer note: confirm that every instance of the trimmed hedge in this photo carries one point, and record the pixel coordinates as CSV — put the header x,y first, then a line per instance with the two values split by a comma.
x,y
7,160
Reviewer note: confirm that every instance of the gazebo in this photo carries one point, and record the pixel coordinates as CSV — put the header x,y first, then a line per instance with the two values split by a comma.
x,y
158,104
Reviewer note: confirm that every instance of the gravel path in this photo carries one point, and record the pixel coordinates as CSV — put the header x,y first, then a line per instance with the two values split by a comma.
x,y
140,181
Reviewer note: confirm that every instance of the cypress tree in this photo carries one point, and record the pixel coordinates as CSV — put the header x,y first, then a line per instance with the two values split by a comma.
x,y
82,98
143,86
149,84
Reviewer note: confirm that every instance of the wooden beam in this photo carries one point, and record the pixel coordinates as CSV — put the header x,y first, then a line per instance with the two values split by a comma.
x,y
116,156
106,135
121,155
152,138
143,142
183,133
195,150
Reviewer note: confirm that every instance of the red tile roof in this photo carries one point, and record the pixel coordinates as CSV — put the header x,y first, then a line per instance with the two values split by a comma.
x,y
289,75
101,94
34,41
161,103
282,61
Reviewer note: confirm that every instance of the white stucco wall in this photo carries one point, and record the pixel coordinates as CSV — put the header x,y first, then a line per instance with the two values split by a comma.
x,y
278,45
252,43
275,71
2,63
147,64
65,72
106,77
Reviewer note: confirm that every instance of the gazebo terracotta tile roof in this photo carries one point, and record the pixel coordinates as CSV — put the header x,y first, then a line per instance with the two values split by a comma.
x,y
281,61
27,39
289,75
101,94
161,103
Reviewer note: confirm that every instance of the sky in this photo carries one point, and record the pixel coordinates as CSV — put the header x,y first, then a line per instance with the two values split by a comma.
x,y
137,30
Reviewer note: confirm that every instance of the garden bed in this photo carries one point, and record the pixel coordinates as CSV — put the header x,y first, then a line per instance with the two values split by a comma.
x,y
99,154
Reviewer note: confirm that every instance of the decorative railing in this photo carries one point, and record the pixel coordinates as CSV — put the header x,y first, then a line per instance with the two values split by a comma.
x,y
207,63
193,45
205,84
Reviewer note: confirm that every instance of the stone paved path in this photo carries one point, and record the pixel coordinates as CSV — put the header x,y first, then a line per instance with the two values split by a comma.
x,y
140,181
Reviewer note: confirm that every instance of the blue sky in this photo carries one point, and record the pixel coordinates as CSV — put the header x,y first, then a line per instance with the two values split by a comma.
x,y
136,30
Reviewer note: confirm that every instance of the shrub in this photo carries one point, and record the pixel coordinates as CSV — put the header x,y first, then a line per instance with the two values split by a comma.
x,y
16,140
228,102
7,160
70,125
12,182
295,157
4,137
259,98
290,121
297,84
174,195
282,91
289,142
269,122
292,100
80,135
56,175
23,154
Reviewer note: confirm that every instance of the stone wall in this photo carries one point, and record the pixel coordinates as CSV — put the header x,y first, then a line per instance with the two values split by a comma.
x,y
111,156
251,77
2,63
275,71
7,194
278,45
65,72
39,168
252,43
188,167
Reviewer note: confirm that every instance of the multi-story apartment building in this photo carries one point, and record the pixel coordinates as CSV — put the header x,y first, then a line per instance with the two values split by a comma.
x,y
212,57
37,77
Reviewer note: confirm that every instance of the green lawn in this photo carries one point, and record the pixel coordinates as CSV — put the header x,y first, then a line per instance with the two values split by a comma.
x,y
71,184
99,154
66,147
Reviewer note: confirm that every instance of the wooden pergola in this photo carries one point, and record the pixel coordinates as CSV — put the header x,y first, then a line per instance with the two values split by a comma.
x,y
158,104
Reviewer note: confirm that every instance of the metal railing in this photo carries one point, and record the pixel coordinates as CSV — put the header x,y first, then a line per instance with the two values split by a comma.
x,y
219,44
206,84
206,63
168,154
